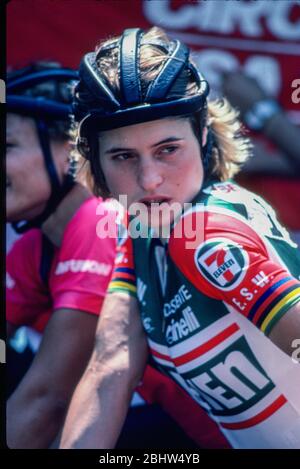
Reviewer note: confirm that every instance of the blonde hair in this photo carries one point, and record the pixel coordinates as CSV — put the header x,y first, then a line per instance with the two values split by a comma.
x,y
230,149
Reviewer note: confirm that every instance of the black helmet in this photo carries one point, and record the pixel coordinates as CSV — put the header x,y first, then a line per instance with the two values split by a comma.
x,y
25,97
104,110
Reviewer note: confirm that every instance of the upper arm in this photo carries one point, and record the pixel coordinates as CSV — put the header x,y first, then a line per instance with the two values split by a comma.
x,y
286,333
100,401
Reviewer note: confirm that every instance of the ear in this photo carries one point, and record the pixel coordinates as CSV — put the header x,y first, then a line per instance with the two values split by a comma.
x,y
204,136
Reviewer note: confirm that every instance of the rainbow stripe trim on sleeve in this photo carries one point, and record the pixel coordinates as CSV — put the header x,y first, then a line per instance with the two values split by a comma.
x,y
272,305
123,279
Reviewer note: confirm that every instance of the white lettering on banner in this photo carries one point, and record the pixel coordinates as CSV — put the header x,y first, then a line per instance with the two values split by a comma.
x,y
10,283
263,68
228,17
75,266
266,71
251,19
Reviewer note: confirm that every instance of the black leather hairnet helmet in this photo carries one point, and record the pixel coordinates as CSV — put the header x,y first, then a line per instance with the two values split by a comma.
x,y
97,106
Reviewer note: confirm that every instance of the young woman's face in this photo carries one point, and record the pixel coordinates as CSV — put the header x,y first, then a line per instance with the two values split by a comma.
x,y
27,183
154,162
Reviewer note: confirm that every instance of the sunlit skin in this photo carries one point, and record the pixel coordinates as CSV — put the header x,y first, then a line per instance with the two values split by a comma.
x,y
156,161
27,182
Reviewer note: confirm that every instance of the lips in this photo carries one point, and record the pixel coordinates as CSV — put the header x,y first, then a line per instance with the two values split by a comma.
x,y
159,199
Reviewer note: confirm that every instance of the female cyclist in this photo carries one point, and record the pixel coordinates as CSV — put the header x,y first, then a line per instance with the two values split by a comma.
x,y
206,279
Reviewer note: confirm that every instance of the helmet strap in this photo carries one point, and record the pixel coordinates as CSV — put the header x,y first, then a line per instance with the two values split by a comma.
x,y
58,190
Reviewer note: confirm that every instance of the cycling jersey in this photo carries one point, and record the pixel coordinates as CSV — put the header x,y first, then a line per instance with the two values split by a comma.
x,y
79,273
209,296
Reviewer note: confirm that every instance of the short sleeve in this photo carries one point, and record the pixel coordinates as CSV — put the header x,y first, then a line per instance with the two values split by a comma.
x,y
234,264
123,277
83,268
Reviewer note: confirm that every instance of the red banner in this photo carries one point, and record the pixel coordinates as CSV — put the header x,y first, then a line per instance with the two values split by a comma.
x,y
260,37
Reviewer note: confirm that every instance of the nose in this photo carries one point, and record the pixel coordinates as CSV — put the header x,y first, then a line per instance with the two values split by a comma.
x,y
149,175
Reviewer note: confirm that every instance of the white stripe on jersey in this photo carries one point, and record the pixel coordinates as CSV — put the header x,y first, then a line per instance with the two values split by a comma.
x,y
252,411
201,337
191,343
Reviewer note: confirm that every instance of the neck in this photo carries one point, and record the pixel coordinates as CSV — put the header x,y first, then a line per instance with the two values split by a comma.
x,y
56,223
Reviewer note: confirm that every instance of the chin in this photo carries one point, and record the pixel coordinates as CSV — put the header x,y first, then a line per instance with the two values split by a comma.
x,y
15,215
12,215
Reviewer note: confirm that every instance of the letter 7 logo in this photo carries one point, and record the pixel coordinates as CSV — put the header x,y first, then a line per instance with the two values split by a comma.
x,y
219,258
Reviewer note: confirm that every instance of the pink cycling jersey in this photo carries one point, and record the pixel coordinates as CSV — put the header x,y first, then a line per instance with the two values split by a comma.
x,y
80,271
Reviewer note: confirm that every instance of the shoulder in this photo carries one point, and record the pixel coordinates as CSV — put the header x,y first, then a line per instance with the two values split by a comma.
x,y
85,227
89,212
215,241
224,213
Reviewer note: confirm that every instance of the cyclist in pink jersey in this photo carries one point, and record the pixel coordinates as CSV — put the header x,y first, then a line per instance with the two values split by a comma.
x,y
59,269
206,278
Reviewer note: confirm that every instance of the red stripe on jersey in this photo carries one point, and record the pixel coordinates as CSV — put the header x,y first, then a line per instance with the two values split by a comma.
x,y
269,300
120,275
210,344
260,417
160,355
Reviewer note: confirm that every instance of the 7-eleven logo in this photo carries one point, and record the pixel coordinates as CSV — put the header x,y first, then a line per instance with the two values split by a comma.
x,y
222,262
